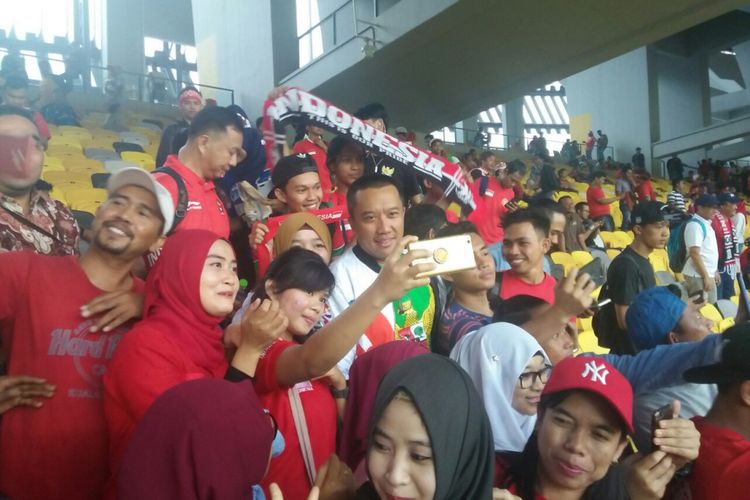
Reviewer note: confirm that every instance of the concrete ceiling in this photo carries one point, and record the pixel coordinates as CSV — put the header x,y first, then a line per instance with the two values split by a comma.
x,y
478,53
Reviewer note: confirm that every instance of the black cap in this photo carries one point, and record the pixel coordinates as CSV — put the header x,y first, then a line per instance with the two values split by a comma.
x,y
735,360
292,166
648,212
727,198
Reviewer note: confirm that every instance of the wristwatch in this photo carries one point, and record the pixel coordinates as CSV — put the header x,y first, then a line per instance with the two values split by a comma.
x,y
340,393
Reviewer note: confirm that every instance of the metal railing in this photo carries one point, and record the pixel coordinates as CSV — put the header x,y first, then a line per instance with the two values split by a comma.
x,y
335,32
152,88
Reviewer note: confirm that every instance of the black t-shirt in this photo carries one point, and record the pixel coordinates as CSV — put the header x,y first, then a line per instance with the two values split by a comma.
x,y
404,177
628,275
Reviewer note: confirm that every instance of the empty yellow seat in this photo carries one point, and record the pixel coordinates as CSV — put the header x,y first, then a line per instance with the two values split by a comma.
x,y
709,311
563,259
613,252
83,164
137,157
55,177
587,342
581,258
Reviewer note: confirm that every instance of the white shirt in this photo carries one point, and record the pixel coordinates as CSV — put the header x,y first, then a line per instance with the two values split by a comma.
x,y
709,248
739,222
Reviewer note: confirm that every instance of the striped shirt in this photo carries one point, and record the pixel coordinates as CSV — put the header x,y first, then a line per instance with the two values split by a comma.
x,y
675,199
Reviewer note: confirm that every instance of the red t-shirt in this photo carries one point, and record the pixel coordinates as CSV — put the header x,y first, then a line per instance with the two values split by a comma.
x,y
645,191
343,236
490,209
288,469
147,364
205,209
60,449
723,463
593,194
319,155
512,285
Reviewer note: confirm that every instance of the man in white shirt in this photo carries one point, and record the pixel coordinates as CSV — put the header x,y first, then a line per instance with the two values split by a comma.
x,y
701,267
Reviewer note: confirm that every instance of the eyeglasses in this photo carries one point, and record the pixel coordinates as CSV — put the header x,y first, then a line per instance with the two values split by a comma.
x,y
528,379
274,425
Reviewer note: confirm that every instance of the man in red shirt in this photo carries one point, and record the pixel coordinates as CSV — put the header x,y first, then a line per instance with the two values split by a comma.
x,y
214,146
314,145
599,202
525,243
724,460
495,195
57,448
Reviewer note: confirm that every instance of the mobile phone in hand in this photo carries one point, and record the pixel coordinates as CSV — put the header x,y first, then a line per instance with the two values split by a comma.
x,y
666,412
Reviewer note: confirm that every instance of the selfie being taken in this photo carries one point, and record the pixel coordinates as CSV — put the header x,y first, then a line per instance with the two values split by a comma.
x,y
374,249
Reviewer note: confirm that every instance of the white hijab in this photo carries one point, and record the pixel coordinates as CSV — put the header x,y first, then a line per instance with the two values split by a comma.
x,y
494,357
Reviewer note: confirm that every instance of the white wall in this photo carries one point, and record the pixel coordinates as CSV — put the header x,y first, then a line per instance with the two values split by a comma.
x,y
616,94
233,38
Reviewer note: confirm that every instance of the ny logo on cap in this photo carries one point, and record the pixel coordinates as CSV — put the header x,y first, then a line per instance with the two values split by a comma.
x,y
597,373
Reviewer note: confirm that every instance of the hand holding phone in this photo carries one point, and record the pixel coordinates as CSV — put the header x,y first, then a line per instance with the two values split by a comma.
x,y
449,254
666,412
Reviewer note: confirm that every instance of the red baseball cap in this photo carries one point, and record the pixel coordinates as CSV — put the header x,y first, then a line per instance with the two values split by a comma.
x,y
595,375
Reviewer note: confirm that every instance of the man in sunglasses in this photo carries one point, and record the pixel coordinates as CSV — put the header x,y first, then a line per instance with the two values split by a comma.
x,y
29,218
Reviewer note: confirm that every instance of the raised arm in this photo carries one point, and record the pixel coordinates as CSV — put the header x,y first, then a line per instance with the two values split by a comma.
x,y
323,350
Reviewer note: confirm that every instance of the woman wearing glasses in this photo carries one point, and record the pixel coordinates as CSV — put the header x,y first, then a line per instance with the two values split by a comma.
x,y
509,369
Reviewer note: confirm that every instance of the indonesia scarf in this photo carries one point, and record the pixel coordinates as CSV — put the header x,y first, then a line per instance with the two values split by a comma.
x,y
296,104
727,244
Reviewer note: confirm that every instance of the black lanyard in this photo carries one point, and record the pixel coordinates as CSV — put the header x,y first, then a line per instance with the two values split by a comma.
x,y
23,220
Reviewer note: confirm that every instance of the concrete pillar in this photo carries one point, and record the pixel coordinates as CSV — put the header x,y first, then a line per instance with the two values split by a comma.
x,y
513,122
615,97
683,98
124,36
235,49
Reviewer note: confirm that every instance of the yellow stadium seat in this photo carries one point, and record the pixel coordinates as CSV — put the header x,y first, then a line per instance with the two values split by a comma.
x,y
50,161
74,131
725,323
83,164
61,177
622,238
735,299
64,151
84,197
607,237
709,311
64,141
660,260
53,167
587,342
136,156
581,258
630,236
563,259
584,324
613,252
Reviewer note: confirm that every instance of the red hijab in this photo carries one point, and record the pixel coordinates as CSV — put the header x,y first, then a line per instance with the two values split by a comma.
x,y
203,439
364,378
173,301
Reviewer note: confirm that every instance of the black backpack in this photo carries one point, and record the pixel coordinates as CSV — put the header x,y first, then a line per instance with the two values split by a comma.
x,y
182,196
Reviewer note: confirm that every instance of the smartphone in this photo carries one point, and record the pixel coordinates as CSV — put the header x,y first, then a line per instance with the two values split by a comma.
x,y
664,413
603,303
450,254
698,297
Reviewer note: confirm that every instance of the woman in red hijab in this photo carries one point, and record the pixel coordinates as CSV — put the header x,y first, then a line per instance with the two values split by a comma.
x,y
201,440
189,291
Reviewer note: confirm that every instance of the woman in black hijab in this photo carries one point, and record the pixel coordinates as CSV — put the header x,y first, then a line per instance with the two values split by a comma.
x,y
430,437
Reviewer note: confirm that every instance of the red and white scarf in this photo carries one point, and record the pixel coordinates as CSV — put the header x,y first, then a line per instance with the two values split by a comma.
x,y
296,104
727,245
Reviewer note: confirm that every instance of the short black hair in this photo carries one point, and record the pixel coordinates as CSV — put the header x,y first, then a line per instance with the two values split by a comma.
x,y
563,197
16,82
7,110
296,268
539,220
580,205
189,87
373,111
516,310
459,228
514,166
338,145
597,174
370,181
419,219
549,207
486,154
214,119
